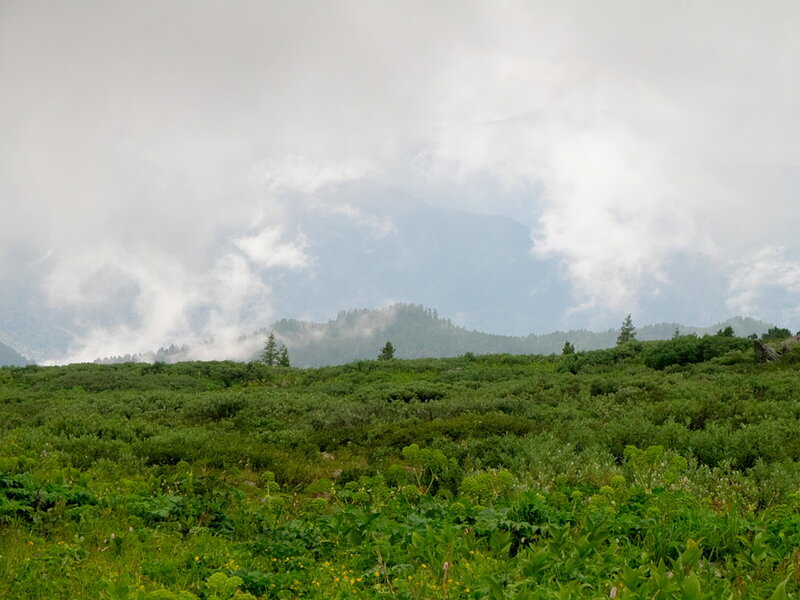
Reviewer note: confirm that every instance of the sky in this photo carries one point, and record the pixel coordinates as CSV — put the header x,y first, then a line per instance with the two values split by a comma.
x,y
158,158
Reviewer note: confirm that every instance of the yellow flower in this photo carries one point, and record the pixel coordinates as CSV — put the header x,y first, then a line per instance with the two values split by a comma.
x,y
196,559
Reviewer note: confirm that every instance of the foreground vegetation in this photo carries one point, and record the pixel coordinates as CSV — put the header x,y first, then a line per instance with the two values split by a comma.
x,y
652,470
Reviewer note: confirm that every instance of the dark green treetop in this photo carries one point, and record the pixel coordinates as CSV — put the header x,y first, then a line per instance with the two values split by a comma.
x,y
387,352
627,333
283,357
775,334
270,354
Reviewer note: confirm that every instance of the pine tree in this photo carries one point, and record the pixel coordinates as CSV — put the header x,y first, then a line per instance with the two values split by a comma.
x,y
627,332
568,348
270,354
775,333
387,352
283,357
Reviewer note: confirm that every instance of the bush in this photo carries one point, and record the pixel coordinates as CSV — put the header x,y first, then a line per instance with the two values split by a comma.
x,y
689,349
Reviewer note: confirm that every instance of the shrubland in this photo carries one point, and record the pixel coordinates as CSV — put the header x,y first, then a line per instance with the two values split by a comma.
x,y
650,470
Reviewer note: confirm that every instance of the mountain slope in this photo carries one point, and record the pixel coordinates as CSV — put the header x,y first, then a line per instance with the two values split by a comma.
x,y
10,357
417,332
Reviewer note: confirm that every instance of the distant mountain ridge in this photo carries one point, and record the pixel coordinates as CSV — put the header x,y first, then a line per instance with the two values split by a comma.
x,y
11,358
416,332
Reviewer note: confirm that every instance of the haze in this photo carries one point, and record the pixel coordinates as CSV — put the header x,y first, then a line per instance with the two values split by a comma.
x,y
182,171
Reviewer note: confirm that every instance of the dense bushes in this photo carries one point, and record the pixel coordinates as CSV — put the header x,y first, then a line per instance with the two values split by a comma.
x,y
472,477
688,349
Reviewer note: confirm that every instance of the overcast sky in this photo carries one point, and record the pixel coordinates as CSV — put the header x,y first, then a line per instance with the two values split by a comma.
x,y
148,148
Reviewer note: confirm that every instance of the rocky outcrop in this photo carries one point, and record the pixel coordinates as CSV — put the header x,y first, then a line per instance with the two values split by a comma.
x,y
764,352
790,343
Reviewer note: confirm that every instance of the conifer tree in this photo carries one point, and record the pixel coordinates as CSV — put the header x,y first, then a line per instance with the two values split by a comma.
x,y
568,348
283,357
627,332
270,354
387,352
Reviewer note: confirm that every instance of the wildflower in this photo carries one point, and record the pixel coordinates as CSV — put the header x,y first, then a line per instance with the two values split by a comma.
x,y
613,592
196,559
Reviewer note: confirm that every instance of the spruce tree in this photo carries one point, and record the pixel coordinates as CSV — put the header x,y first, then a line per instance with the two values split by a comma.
x,y
283,357
387,352
627,332
270,354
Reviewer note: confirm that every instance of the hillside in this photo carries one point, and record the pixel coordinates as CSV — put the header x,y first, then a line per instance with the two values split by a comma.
x,y
10,357
418,332
585,476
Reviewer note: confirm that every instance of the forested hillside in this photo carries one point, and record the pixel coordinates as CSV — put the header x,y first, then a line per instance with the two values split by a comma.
x,y
648,470
418,332
415,332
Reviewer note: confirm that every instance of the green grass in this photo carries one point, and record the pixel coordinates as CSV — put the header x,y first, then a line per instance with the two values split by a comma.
x,y
476,477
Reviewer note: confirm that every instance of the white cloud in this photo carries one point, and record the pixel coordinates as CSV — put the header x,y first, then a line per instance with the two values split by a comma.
x,y
170,302
765,281
380,226
141,139
303,174
267,250
644,145
612,216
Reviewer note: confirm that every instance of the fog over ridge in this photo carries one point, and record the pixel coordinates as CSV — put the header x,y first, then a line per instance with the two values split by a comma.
x,y
177,172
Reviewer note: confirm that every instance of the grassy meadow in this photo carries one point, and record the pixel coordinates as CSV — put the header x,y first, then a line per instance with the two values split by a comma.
x,y
651,470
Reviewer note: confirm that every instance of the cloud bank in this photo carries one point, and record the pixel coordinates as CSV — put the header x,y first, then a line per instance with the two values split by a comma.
x,y
151,151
